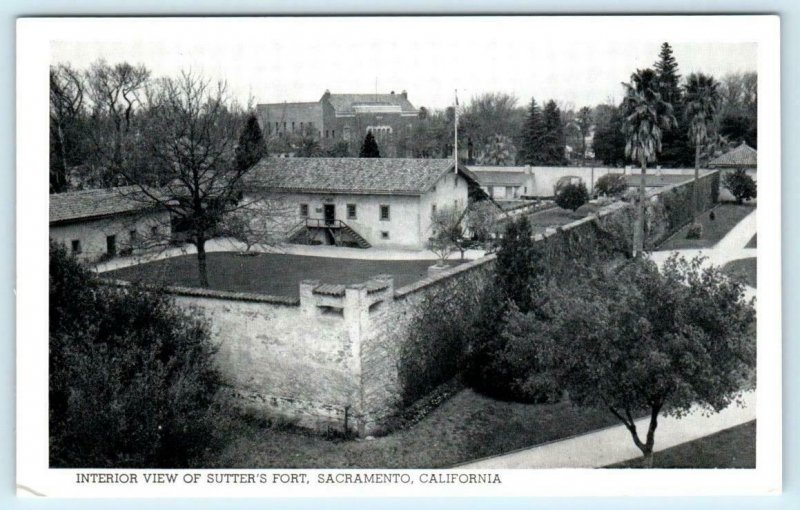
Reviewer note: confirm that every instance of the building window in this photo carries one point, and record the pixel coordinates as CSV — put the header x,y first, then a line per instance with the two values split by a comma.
x,y
326,133
292,127
384,213
76,246
304,210
433,209
154,230
384,235
284,127
134,236
333,133
351,211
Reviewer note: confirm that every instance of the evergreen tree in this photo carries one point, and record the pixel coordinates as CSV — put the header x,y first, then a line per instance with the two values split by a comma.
x,y
553,135
667,71
252,146
370,147
531,144
677,150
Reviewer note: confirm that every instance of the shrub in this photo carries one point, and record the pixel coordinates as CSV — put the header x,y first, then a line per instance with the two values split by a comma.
x,y
572,196
695,231
611,185
741,185
132,380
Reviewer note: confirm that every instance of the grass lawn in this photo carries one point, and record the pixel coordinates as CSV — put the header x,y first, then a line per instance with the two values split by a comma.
x,y
269,273
551,218
731,448
753,242
466,427
727,216
743,269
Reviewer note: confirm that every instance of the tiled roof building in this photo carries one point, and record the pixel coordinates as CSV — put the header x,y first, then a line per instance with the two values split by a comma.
x,y
346,118
95,204
742,156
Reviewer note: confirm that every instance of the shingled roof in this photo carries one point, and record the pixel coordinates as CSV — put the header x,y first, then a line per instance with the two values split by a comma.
x,y
367,176
349,103
742,156
95,203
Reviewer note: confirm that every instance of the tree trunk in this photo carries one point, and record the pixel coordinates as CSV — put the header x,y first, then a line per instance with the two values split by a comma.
x,y
694,184
638,231
202,270
61,178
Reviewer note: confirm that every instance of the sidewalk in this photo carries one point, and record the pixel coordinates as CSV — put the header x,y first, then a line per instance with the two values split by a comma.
x,y
614,444
227,244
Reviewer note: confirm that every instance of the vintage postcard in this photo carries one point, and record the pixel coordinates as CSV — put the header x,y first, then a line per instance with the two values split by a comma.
x,y
398,256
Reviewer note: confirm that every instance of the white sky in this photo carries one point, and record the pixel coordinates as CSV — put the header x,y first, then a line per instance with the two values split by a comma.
x,y
573,60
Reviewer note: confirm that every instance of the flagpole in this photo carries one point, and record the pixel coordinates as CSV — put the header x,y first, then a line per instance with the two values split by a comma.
x,y
455,135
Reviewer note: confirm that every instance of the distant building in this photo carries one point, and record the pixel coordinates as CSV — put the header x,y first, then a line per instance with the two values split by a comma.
x,y
743,156
103,223
344,118
362,202
505,182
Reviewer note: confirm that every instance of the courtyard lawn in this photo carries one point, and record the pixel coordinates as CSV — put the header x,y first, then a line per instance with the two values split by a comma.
x,y
753,242
731,448
726,217
270,273
552,218
742,269
466,427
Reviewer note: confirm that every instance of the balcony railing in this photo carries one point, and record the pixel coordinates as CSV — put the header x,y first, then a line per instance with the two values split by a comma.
x,y
324,223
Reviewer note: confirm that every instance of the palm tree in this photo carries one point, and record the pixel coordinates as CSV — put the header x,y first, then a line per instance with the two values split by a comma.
x,y
702,99
645,117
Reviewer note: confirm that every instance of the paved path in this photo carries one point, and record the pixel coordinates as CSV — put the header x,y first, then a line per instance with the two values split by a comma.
x,y
227,244
614,444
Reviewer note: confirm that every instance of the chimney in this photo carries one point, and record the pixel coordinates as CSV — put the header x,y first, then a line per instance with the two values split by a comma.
x,y
326,95
392,92
404,94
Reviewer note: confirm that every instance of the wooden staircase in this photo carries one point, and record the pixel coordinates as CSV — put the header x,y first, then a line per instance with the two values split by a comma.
x,y
337,231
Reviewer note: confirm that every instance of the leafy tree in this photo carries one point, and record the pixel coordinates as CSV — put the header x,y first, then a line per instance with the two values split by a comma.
x,y
554,142
584,122
572,196
482,219
489,115
677,149
645,117
498,151
611,185
532,149
252,146
702,99
642,341
339,150
132,378
609,141
739,128
741,185
370,147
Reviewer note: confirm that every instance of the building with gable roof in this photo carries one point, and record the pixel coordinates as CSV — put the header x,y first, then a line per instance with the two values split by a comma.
x,y
362,202
743,156
101,223
345,118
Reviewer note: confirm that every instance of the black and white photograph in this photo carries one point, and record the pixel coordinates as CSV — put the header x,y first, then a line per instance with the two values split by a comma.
x,y
399,255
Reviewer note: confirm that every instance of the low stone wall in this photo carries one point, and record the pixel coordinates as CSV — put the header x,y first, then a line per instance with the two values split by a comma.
x,y
348,357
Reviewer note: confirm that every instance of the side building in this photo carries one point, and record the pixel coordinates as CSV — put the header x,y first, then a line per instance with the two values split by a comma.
x,y
361,202
344,119
103,223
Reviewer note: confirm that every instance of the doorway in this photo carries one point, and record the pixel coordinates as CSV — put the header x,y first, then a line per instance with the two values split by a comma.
x,y
111,246
330,214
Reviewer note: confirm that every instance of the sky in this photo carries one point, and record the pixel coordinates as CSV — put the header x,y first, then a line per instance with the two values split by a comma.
x,y
575,61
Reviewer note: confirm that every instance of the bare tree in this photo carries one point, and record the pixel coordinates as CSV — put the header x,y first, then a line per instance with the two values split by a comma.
x,y
116,92
447,233
190,135
66,109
